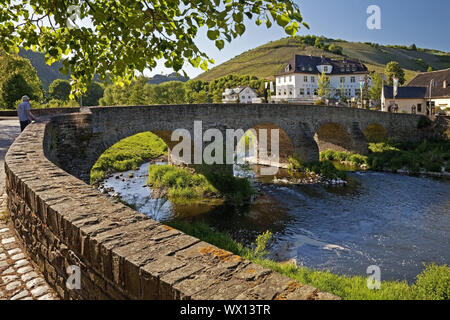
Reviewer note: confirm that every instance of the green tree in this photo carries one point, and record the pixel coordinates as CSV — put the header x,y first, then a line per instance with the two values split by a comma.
x,y
429,69
377,83
11,64
335,49
60,90
14,88
171,92
393,69
323,83
129,36
93,94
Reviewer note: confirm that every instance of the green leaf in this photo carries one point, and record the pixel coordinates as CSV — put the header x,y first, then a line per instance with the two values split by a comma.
x,y
240,29
213,34
220,44
282,20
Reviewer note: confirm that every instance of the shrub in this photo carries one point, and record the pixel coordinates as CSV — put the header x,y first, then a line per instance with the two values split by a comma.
x,y
434,283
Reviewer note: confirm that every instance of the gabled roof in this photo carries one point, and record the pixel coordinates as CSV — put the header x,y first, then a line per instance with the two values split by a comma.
x,y
424,79
308,64
408,92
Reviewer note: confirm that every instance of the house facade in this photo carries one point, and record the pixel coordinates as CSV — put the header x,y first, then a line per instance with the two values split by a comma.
x,y
428,93
438,92
299,80
242,94
408,100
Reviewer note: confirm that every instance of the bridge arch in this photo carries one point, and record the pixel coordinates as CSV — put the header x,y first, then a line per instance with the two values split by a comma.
x,y
333,136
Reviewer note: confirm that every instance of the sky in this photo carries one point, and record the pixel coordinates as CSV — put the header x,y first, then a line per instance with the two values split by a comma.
x,y
403,22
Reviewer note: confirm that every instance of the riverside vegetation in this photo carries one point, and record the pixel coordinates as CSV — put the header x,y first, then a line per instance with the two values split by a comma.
x,y
433,283
415,157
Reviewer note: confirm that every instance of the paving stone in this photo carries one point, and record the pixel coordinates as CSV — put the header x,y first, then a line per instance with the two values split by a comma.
x,y
21,263
20,295
48,296
39,291
13,286
2,256
4,230
14,251
27,298
30,275
18,256
8,279
1,294
8,271
3,264
24,270
8,240
34,283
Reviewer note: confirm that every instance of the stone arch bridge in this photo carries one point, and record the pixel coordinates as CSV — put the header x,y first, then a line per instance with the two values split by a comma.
x,y
121,253
304,130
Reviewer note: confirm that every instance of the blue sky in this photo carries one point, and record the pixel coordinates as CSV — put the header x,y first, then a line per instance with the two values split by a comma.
x,y
403,22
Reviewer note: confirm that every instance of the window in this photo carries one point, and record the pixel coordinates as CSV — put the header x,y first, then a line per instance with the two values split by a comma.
x,y
348,92
342,79
419,107
357,92
302,91
413,109
305,79
313,79
285,79
352,79
325,68
315,92
308,91
279,93
284,91
290,78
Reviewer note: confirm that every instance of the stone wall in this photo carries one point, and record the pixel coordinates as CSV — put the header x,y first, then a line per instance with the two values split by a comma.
x,y
122,254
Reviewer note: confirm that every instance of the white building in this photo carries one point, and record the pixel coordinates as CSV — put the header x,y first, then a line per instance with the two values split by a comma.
x,y
242,94
298,82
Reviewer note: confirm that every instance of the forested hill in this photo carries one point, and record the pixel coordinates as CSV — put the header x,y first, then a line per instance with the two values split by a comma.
x,y
269,59
47,74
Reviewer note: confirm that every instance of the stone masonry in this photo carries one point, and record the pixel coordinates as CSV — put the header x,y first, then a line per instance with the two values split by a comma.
x,y
20,279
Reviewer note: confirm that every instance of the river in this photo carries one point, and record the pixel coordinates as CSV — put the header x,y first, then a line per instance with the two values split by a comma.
x,y
396,222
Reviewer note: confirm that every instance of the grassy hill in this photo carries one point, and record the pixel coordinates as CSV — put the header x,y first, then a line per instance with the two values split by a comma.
x,y
269,59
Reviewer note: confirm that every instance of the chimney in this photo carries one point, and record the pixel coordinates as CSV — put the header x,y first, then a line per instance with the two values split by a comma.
x,y
444,84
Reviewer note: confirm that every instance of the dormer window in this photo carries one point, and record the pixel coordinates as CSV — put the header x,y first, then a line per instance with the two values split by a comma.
x,y
325,68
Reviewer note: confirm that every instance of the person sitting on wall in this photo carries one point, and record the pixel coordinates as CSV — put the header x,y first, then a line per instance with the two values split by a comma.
x,y
24,113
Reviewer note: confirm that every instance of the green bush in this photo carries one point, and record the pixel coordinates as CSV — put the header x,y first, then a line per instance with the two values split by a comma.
x,y
324,168
434,283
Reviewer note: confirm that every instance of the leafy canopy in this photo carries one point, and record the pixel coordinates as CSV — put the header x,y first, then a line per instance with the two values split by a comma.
x,y
125,36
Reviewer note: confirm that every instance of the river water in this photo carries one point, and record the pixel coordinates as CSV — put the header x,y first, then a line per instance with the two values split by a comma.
x,y
394,221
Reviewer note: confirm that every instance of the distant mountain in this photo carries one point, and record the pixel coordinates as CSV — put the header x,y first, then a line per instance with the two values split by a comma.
x,y
46,73
161,78
269,59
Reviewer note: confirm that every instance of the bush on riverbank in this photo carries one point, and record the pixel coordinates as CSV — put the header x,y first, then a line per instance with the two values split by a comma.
x,y
184,183
324,168
427,155
433,283
128,154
